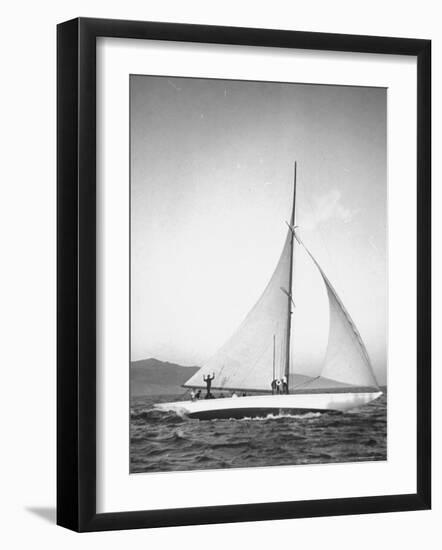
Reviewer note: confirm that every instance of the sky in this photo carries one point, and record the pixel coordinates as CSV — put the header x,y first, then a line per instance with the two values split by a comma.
x,y
211,186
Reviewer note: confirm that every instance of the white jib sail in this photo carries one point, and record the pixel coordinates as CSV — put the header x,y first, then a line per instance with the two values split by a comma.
x,y
346,359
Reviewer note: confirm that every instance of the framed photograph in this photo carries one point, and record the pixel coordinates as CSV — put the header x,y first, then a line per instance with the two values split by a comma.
x,y
243,274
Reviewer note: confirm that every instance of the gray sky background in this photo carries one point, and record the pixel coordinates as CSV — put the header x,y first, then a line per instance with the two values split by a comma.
x,y
211,183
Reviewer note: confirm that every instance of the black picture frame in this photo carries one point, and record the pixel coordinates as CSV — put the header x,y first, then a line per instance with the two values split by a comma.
x,y
76,273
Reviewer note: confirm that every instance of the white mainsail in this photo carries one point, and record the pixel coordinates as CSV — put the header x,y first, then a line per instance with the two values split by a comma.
x,y
245,361
258,351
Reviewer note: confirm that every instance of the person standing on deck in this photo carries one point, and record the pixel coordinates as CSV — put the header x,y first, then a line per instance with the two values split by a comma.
x,y
285,387
208,380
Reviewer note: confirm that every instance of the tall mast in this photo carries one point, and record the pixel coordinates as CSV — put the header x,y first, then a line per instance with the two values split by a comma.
x,y
290,297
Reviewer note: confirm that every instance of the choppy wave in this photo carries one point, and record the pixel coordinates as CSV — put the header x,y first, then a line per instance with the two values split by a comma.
x,y
165,441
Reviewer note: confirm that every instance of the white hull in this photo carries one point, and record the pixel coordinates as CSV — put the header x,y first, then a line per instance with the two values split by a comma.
x,y
265,405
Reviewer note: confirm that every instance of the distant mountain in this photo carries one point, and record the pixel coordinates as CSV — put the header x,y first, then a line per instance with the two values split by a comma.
x,y
154,377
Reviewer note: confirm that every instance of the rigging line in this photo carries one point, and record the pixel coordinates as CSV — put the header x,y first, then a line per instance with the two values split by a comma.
x,y
320,233
331,259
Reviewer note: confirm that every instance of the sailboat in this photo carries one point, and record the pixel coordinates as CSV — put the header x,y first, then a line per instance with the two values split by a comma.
x,y
259,355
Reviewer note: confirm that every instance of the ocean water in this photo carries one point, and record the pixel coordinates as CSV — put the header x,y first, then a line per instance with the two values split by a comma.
x,y
163,441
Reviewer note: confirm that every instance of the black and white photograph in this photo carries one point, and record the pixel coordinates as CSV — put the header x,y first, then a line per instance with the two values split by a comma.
x,y
258,274
220,241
